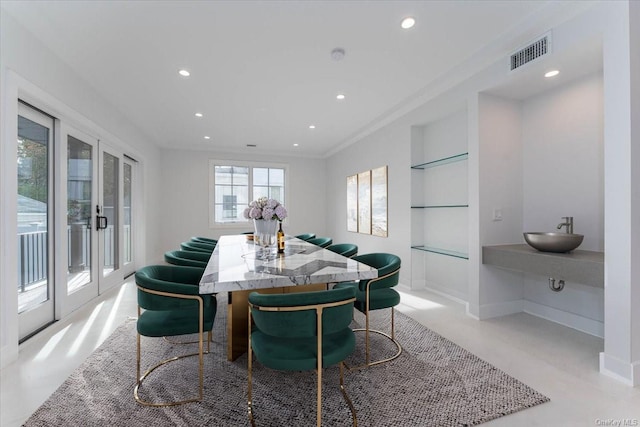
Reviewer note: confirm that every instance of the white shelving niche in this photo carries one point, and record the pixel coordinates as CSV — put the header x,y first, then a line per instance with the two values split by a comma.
x,y
439,206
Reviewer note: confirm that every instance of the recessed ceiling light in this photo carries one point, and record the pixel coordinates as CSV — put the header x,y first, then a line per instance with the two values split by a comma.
x,y
207,137
337,54
184,73
408,22
295,145
340,96
552,73
312,126
198,114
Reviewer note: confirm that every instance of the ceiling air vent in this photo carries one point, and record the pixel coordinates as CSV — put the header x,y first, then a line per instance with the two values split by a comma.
x,y
534,50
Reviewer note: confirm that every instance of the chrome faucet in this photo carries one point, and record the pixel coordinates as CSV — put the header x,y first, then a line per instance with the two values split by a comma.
x,y
568,222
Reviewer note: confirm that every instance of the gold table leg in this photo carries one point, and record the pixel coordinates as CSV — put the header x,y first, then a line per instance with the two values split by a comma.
x,y
238,317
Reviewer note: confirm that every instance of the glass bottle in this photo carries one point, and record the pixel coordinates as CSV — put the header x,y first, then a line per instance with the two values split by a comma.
x,y
280,239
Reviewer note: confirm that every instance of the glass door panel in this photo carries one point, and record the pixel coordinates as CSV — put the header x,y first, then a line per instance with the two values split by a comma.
x,y
78,243
110,213
80,157
127,190
34,214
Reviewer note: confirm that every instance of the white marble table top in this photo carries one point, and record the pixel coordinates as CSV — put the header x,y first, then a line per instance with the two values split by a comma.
x,y
236,265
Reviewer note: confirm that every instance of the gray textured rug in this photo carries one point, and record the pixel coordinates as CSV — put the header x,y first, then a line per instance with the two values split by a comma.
x,y
433,383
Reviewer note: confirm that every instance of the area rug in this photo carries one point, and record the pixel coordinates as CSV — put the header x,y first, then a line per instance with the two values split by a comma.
x,y
433,383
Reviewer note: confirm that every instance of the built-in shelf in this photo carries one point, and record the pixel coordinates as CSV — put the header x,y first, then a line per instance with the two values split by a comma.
x,y
431,164
443,161
441,251
439,206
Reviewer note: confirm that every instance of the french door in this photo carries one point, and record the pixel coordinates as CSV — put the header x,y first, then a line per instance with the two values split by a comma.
x,y
80,271
109,214
35,215
75,225
98,181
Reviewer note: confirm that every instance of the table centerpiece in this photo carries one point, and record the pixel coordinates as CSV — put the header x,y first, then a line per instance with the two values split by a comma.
x,y
265,214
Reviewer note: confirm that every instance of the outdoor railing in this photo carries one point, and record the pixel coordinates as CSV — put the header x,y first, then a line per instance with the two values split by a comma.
x,y
32,258
33,252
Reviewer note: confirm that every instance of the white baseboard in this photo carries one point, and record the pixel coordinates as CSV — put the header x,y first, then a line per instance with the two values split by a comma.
x,y
582,324
488,311
8,354
423,285
446,295
404,288
418,284
628,373
456,297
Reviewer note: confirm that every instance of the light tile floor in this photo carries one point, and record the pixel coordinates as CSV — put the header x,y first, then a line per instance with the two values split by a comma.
x,y
557,361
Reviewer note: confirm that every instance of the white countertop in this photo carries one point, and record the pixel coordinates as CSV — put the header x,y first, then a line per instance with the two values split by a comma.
x,y
235,265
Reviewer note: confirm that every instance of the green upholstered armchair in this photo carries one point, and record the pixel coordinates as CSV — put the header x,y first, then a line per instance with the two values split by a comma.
x,y
172,304
197,247
323,242
344,249
292,330
187,258
376,294
306,236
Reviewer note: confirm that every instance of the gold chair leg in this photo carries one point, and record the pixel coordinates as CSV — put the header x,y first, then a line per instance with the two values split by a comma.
x,y
138,352
249,376
137,357
346,396
368,331
140,380
200,354
170,341
319,397
319,357
319,363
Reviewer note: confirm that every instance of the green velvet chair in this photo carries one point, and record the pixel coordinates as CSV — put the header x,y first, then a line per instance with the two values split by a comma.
x,y
306,236
169,304
291,330
187,258
205,240
377,294
323,242
197,247
344,249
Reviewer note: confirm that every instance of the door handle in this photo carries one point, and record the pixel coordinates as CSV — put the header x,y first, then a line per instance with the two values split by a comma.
x,y
101,222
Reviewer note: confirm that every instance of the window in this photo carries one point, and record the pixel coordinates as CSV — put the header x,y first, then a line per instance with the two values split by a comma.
x,y
232,185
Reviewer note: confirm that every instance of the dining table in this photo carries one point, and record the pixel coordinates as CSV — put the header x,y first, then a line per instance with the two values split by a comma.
x,y
238,266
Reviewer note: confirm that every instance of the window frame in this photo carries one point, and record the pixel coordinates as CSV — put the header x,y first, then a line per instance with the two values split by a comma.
x,y
251,165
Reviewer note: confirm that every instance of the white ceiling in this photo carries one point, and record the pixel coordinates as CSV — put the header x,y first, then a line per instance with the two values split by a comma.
x,y
261,71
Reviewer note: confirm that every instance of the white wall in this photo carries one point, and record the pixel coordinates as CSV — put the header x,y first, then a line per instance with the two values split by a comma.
x,y
389,146
498,174
563,175
621,356
563,164
185,196
392,146
30,71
